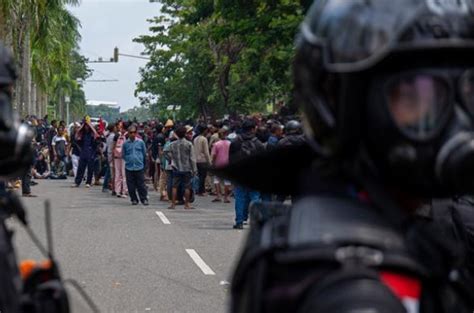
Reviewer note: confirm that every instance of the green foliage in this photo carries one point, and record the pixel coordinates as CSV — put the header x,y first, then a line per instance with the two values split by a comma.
x,y
56,63
215,57
141,113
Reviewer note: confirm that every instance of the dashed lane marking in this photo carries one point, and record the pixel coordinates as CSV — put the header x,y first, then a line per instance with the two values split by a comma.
x,y
163,218
200,262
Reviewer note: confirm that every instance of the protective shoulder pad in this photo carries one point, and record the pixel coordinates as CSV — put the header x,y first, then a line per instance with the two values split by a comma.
x,y
340,221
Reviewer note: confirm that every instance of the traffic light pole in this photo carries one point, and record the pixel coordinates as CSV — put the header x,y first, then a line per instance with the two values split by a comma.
x,y
116,57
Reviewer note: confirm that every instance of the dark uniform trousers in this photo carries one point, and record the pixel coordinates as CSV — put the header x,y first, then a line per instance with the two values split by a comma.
x,y
136,182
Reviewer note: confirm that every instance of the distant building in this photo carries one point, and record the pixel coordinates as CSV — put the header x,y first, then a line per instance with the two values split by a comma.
x,y
109,111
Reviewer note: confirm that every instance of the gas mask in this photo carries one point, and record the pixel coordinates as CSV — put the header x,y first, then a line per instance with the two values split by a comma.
x,y
420,129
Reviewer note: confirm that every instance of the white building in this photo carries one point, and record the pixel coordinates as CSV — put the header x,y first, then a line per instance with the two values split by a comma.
x,y
110,104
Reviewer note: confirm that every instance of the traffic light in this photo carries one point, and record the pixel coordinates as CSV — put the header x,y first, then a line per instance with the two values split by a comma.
x,y
116,54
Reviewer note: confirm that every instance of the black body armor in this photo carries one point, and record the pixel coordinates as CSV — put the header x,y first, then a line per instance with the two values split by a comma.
x,y
332,254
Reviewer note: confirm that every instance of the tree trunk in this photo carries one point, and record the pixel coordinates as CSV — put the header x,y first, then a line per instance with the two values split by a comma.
x,y
23,83
3,26
39,99
44,105
34,99
60,106
224,85
27,75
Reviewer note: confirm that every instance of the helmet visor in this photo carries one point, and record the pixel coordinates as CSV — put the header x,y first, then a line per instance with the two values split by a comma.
x,y
418,103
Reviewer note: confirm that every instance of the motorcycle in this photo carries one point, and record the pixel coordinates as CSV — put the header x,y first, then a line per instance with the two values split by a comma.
x,y
43,288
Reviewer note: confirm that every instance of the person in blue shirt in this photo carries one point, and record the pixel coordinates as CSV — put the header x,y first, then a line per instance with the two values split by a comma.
x,y
276,134
134,156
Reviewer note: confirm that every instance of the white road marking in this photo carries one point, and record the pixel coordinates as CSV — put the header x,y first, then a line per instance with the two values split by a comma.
x,y
200,262
163,218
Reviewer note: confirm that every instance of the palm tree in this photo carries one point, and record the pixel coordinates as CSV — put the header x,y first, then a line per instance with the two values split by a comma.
x,y
56,36
43,34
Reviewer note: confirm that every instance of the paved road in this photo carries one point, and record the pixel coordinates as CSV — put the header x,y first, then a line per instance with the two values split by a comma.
x,y
128,259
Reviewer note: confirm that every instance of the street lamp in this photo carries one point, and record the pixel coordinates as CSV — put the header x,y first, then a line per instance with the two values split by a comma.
x,y
67,100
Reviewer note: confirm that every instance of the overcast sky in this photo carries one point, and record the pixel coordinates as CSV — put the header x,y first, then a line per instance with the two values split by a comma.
x,y
107,24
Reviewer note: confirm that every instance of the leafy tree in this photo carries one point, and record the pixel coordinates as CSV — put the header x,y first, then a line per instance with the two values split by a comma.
x,y
223,56
141,114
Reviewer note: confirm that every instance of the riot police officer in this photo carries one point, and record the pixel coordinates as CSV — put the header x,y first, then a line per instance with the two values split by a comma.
x,y
386,94
293,134
15,158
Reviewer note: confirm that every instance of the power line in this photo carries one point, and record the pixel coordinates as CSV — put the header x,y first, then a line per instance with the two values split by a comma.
x,y
105,75
98,80
91,52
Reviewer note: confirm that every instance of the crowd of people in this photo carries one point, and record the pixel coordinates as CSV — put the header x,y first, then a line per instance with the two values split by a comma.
x,y
174,157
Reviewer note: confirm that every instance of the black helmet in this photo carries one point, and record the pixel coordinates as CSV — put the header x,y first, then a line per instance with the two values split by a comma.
x,y
355,57
15,139
354,35
8,73
293,127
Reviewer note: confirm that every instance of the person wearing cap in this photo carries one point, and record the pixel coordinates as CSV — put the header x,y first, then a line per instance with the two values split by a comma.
x,y
169,124
189,133
134,155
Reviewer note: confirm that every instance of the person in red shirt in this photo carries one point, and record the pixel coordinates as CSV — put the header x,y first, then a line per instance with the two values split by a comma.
x,y
101,126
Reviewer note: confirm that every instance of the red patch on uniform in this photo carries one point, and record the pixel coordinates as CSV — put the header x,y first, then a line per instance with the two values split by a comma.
x,y
401,285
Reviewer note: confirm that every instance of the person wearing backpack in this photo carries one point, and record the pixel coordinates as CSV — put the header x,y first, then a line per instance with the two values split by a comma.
x,y
244,146
120,181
